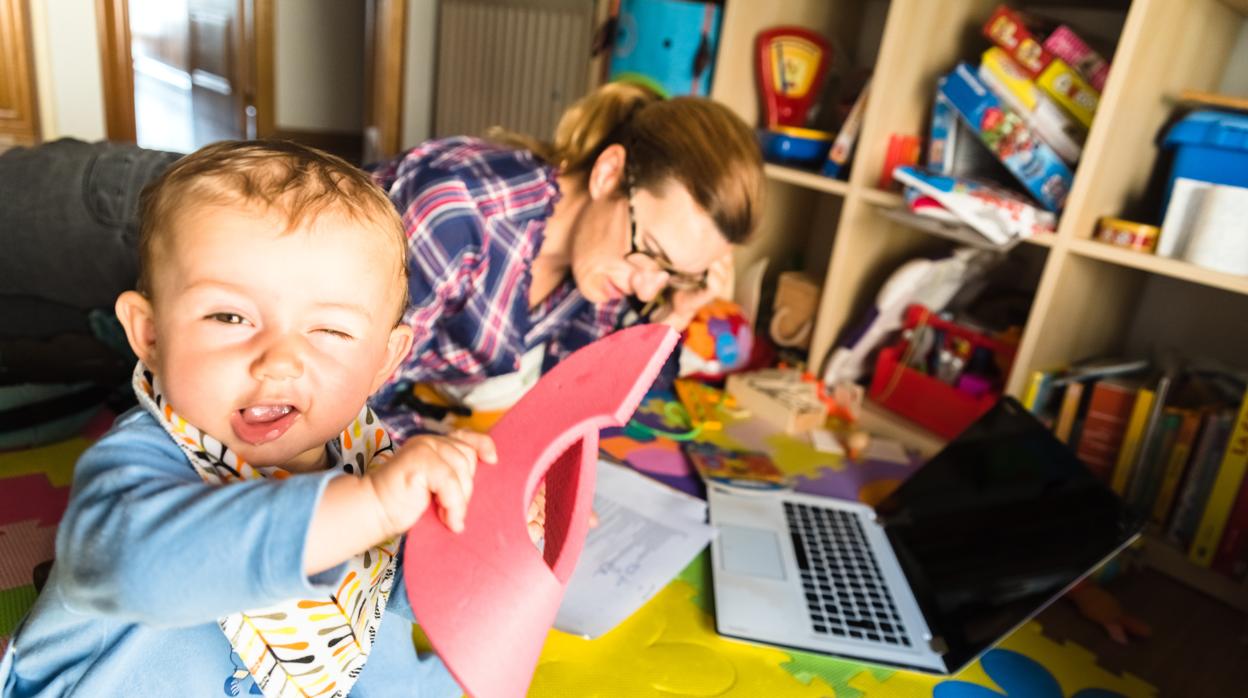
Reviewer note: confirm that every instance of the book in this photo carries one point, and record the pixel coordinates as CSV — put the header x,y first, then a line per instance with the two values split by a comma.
x,y
1038,387
1155,450
1130,445
725,465
1109,409
1071,403
1035,164
1232,556
1201,471
1225,488
1003,76
1067,45
1176,466
1157,429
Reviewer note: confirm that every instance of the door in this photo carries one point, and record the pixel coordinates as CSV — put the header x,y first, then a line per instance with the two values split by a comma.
x,y
19,123
218,105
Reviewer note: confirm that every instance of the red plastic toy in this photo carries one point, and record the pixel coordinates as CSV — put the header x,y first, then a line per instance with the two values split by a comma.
x,y
486,597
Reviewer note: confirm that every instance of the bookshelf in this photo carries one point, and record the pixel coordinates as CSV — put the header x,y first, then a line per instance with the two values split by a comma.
x,y
1089,298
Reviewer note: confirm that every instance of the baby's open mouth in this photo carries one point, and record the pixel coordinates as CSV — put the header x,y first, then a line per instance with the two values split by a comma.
x,y
260,424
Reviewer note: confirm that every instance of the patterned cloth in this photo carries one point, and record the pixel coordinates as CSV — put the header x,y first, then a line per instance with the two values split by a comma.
x,y
475,215
301,647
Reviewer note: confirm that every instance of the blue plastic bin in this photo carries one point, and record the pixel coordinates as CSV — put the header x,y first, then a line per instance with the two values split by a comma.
x,y
1211,146
667,45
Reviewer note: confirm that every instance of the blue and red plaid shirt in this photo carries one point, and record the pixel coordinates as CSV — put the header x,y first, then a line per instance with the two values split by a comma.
x,y
475,214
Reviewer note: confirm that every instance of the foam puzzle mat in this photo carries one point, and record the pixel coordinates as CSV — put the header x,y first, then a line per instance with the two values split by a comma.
x,y
669,648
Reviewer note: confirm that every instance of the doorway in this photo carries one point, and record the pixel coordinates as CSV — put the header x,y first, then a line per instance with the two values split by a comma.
x,y
179,74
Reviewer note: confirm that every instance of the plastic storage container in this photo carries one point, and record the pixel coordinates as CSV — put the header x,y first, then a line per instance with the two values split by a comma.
x,y
1211,146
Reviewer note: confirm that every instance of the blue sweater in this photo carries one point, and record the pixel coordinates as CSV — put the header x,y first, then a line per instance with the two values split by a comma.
x,y
149,556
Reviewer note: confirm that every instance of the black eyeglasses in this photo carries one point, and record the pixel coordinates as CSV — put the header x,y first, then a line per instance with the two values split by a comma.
x,y
657,261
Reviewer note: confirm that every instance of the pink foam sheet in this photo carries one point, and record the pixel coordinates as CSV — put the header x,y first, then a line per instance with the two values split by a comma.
x,y
487,597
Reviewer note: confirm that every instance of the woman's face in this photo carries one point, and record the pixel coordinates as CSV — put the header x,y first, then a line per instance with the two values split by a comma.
x,y
666,239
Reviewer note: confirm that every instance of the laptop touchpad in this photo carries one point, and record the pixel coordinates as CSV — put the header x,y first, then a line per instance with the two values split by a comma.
x,y
751,551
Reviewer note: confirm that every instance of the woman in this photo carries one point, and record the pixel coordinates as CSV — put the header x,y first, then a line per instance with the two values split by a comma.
x,y
521,252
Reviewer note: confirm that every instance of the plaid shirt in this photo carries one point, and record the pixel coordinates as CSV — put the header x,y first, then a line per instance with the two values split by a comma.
x,y
475,215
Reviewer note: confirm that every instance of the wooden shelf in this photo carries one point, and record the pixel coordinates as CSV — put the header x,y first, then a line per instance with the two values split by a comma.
x,y
884,199
959,233
1171,561
807,179
1164,266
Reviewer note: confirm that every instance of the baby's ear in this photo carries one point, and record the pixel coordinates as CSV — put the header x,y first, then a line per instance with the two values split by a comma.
x,y
136,316
397,347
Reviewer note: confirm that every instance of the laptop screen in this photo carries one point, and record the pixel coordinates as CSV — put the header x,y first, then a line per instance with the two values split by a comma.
x,y
996,525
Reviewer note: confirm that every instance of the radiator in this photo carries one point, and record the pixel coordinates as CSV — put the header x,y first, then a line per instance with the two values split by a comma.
x,y
510,63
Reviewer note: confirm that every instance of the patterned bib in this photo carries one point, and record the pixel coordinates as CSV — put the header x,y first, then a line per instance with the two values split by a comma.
x,y
301,647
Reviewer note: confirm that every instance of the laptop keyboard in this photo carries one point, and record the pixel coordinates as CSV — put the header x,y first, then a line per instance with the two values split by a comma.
x,y
845,591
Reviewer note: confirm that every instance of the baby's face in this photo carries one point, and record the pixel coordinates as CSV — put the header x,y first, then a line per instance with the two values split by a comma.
x,y
271,341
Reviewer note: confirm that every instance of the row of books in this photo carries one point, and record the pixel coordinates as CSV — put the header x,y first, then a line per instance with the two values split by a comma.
x,y
1025,111
1173,444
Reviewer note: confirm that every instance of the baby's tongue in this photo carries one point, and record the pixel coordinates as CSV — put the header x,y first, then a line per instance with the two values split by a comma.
x,y
263,423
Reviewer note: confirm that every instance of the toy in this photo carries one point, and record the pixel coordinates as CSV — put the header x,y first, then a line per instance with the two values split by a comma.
x,y
1057,128
781,397
1036,165
996,213
667,45
1135,236
793,311
791,64
717,341
486,597
793,145
702,403
843,147
931,283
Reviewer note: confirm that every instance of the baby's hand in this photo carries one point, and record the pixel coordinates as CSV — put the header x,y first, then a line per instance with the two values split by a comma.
x,y
429,469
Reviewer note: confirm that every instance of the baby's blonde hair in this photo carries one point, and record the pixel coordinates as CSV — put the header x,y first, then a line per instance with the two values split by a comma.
x,y
299,182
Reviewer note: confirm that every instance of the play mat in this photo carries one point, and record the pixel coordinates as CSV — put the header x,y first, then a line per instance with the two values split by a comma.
x,y
668,649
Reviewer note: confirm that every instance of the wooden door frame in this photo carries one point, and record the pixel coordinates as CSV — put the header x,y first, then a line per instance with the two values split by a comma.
x,y
385,37
385,51
112,20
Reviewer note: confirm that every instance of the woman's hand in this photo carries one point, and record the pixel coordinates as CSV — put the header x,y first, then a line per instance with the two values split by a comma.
x,y
685,304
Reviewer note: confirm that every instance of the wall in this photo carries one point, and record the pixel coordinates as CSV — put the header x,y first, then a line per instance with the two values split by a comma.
x,y
319,65
1235,79
418,69
67,69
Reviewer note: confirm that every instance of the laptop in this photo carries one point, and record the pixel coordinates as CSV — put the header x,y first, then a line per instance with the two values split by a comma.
x,y
980,539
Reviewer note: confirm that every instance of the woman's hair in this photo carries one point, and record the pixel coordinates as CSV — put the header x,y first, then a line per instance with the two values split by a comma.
x,y
697,142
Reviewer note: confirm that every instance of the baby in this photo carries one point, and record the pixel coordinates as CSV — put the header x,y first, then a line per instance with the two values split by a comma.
x,y
239,531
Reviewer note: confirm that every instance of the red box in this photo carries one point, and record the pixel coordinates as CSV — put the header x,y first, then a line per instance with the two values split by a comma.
x,y
924,399
1021,36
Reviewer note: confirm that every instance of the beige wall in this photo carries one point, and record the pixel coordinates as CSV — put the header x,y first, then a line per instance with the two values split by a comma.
x,y
319,65
67,69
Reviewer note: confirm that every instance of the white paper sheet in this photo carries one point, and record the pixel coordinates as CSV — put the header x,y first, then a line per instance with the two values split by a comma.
x,y
647,533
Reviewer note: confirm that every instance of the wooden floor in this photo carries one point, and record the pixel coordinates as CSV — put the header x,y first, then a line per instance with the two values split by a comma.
x,y
1199,646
